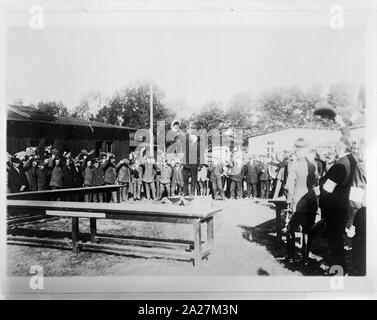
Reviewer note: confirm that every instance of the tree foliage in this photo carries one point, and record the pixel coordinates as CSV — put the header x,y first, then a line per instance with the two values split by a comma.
x,y
211,116
52,109
90,104
132,104
240,112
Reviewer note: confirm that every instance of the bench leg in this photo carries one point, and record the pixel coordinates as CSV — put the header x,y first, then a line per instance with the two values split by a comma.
x,y
75,235
93,230
210,232
197,244
278,223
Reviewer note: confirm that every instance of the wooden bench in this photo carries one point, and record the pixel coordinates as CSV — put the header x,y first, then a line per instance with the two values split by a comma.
x,y
59,193
194,215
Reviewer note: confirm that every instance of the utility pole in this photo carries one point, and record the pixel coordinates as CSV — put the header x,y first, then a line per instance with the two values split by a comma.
x,y
151,152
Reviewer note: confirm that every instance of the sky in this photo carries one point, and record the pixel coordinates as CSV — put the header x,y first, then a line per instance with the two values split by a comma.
x,y
193,65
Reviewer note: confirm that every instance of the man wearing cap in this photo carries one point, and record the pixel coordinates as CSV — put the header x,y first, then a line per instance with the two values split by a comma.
x,y
78,178
109,172
56,164
281,174
68,177
149,174
251,176
190,167
263,177
42,175
17,181
98,180
124,178
165,178
136,173
216,169
88,172
301,198
236,175
177,179
30,167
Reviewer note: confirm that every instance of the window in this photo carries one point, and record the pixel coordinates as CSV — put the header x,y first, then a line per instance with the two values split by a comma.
x,y
270,147
108,146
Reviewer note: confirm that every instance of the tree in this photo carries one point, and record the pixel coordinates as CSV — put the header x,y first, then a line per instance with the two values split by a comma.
x,y
240,111
211,116
133,103
286,107
90,104
52,109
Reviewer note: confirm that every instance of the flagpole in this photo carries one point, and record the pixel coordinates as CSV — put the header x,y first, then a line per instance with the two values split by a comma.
x,y
151,120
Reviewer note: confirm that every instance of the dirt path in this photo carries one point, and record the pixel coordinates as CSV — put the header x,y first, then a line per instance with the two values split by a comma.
x,y
235,251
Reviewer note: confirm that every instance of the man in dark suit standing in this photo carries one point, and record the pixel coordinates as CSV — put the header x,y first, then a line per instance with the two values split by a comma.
x,y
251,177
236,175
190,168
216,169
263,178
17,181
334,202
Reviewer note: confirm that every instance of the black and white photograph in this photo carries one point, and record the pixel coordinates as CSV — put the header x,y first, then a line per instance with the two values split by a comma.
x,y
188,146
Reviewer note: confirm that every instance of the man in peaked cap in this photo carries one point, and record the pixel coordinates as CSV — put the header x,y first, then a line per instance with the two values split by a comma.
x,y
301,198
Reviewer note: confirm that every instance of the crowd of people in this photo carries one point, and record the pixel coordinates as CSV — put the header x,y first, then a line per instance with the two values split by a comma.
x,y
257,177
337,187
333,181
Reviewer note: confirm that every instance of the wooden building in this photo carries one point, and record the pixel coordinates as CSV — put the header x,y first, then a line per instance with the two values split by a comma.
x,y
284,139
28,127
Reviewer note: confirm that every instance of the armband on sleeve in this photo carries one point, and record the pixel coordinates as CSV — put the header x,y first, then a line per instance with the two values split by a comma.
x,y
329,186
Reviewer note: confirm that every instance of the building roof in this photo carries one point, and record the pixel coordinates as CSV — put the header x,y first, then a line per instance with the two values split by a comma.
x,y
27,113
306,128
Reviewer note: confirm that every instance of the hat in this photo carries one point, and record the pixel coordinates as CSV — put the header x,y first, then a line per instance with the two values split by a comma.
x,y
15,160
325,111
84,152
55,151
102,154
300,143
174,122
